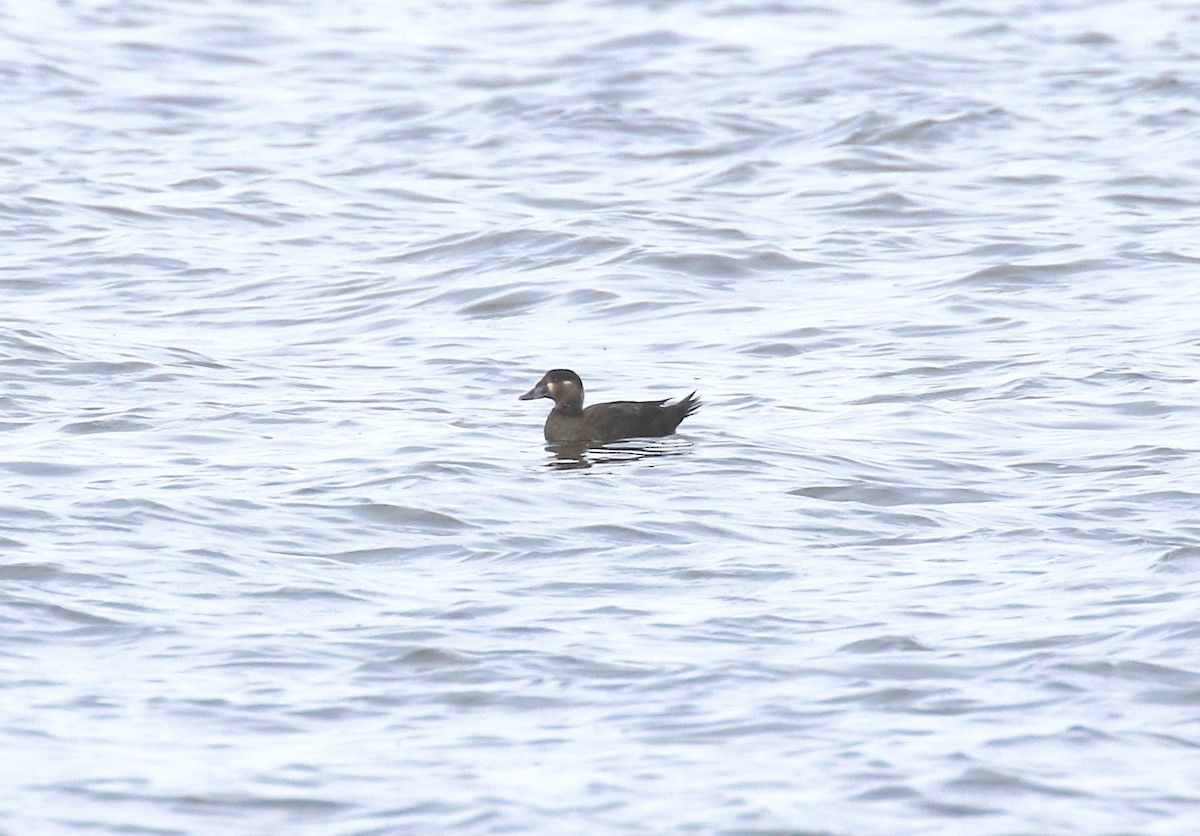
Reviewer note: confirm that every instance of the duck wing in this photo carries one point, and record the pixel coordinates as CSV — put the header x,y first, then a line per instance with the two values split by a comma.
x,y
637,419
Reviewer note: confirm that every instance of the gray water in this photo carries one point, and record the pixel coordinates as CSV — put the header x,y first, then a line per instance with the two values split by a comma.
x,y
282,552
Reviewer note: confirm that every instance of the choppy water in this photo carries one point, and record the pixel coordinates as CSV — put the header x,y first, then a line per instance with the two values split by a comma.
x,y
282,552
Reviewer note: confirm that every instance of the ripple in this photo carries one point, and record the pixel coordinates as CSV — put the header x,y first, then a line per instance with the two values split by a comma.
x,y
420,519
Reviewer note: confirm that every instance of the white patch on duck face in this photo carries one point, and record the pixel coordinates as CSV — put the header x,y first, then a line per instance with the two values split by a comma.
x,y
561,391
566,387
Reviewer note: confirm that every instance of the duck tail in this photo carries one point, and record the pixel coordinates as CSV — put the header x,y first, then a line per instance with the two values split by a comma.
x,y
689,405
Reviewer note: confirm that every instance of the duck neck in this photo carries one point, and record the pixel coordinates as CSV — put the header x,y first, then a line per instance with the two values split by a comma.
x,y
571,407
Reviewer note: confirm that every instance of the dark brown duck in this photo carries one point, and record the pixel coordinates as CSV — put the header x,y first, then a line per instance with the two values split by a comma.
x,y
569,421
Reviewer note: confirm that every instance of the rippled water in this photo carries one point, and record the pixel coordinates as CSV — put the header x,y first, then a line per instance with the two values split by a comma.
x,y
282,552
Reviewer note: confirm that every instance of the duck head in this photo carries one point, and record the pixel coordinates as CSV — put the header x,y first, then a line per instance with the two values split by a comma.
x,y
562,386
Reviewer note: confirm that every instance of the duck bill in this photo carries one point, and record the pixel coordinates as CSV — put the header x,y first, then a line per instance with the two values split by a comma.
x,y
539,391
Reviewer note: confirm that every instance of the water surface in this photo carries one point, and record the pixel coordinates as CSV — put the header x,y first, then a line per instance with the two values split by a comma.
x,y
283,552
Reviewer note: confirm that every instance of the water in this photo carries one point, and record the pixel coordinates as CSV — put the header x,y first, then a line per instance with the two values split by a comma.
x,y
282,552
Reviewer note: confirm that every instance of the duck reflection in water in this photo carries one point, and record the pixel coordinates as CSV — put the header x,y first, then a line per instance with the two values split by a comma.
x,y
573,455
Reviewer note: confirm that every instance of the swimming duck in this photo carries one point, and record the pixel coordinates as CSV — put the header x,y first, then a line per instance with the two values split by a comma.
x,y
603,422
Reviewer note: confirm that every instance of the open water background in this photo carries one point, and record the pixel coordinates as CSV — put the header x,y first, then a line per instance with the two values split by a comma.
x,y
282,552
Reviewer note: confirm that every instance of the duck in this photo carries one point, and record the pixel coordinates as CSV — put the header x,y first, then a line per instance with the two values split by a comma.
x,y
568,421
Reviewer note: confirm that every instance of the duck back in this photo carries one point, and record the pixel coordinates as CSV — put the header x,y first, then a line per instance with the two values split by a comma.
x,y
605,422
